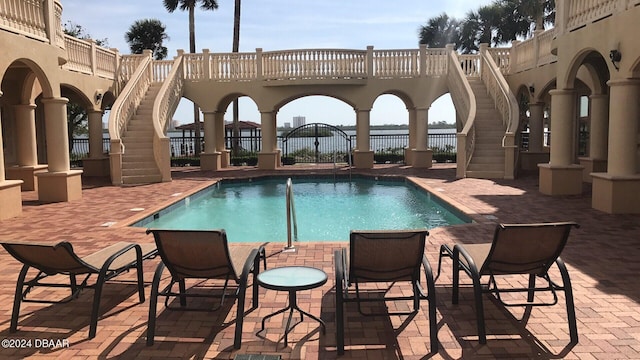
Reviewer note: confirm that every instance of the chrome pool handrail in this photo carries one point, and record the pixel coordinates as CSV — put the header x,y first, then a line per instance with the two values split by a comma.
x,y
291,215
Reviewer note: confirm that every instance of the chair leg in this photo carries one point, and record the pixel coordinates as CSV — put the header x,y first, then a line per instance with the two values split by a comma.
x,y
183,289
242,293
140,274
17,299
431,298
97,295
477,294
456,276
339,322
153,304
568,294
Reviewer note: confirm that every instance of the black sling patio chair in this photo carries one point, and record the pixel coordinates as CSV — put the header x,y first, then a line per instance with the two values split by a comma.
x,y
516,249
205,255
61,259
384,256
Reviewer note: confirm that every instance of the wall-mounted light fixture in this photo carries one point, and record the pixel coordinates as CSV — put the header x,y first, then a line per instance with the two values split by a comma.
x,y
98,97
615,55
532,89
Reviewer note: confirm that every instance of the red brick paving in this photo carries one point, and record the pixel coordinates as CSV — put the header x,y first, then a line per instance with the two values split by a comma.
x,y
601,257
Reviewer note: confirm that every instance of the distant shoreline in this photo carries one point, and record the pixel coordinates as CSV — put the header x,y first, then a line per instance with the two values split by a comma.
x,y
388,127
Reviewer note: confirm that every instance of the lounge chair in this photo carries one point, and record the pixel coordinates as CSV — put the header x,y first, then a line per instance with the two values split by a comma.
x,y
203,254
385,256
60,259
524,249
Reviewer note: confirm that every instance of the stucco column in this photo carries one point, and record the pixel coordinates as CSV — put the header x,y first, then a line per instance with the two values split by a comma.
x,y
210,159
96,164
95,134
624,113
10,195
209,131
363,156
536,127
408,156
27,152
563,105
59,183
618,190
561,176
596,161
598,134
268,158
55,111
422,157
225,159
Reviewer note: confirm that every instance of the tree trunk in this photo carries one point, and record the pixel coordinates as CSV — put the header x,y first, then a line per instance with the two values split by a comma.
x,y
236,108
196,109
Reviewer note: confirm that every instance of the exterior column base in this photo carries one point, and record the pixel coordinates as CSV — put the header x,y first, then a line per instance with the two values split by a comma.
x,y
560,180
408,156
616,194
60,186
10,199
210,161
422,158
268,160
98,167
592,165
225,159
363,159
27,174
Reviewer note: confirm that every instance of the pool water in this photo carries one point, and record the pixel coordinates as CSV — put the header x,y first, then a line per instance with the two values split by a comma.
x,y
326,210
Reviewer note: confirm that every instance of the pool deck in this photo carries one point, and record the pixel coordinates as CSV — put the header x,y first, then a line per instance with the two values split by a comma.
x,y
602,257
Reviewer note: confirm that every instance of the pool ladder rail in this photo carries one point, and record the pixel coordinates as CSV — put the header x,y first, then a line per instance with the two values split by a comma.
x,y
291,216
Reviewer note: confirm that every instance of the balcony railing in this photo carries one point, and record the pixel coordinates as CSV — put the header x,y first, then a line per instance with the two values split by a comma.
x,y
36,19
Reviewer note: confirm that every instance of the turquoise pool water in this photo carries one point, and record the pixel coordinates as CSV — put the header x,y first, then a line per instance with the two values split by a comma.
x,y
327,210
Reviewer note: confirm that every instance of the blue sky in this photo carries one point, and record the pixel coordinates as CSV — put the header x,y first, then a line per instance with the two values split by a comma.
x,y
282,25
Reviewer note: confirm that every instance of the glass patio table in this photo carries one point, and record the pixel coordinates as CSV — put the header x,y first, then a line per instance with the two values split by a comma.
x,y
292,279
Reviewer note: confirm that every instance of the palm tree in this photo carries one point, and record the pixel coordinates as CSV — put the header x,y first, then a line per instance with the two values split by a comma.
x,y
522,17
147,34
440,31
480,27
190,5
236,48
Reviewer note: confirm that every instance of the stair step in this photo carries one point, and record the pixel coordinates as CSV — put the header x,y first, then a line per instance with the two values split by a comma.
x,y
140,172
141,179
483,174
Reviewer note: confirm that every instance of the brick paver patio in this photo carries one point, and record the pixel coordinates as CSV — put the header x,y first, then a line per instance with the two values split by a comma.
x,y
602,257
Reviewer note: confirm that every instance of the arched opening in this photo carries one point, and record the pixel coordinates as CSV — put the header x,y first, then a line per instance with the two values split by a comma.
x,y
328,142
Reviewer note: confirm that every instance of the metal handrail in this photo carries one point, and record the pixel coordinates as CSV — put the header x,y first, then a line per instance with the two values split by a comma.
x,y
291,215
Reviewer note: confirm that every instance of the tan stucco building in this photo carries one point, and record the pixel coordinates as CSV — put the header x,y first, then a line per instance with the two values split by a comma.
x,y
581,77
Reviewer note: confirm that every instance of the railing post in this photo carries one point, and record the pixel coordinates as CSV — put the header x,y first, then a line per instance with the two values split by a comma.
x,y
450,49
259,75
185,65
423,60
93,59
483,52
369,61
562,16
536,47
49,20
206,64
513,57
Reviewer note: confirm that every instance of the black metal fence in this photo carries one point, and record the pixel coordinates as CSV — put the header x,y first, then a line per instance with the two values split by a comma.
x,y
386,147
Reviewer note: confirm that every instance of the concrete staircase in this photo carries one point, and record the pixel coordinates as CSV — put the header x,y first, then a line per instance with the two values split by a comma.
x,y
487,161
138,163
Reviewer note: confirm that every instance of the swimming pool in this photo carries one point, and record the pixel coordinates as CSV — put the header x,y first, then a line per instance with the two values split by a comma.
x,y
326,209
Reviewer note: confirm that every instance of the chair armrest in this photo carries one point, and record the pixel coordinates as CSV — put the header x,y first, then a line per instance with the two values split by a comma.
x,y
468,265
249,265
340,269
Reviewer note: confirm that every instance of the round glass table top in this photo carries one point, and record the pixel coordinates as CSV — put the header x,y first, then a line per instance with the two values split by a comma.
x,y
292,278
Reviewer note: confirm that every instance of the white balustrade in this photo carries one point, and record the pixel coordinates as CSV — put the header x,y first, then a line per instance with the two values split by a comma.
x,y
581,12
469,65
24,16
161,69
313,64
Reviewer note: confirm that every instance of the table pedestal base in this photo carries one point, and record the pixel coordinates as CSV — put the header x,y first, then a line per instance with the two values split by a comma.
x,y
293,305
